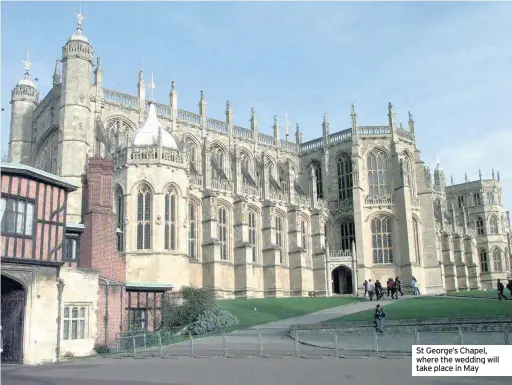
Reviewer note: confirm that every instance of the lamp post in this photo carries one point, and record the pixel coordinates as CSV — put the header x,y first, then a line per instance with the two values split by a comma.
x,y
60,289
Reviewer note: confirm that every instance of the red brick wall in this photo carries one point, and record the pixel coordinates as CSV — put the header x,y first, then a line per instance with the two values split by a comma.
x,y
98,246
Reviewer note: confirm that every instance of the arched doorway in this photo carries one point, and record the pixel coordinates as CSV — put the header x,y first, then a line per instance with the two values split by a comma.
x,y
342,280
13,314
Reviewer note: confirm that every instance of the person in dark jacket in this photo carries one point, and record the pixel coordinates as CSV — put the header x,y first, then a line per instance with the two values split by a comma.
x,y
394,289
365,284
501,288
379,316
378,290
509,286
399,287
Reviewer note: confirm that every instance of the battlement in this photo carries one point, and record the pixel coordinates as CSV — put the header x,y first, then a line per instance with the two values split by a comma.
x,y
163,111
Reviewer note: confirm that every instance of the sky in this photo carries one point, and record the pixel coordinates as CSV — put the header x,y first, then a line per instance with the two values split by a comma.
x,y
450,63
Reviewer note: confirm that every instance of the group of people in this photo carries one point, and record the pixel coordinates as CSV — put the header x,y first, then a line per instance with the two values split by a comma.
x,y
501,289
393,287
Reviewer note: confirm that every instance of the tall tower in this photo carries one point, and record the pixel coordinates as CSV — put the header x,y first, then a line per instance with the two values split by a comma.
x,y
24,100
76,115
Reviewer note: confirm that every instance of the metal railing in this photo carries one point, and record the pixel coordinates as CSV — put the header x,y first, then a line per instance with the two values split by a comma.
x,y
280,342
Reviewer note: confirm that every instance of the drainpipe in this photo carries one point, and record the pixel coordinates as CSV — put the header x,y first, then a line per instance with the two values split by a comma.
x,y
105,318
60,289
327,277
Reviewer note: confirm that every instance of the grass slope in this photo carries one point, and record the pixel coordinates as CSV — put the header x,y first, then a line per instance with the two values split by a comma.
x,y
491,293
435,307
275,309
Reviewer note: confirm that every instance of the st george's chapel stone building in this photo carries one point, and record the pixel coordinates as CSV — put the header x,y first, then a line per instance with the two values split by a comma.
x,y
166,197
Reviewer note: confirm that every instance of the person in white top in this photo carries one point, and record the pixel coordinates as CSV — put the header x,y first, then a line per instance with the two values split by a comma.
x,y
415,287
371,289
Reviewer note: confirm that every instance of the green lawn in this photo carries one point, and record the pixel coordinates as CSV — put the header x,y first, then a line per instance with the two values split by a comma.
x,y
275,309
491,293
435,307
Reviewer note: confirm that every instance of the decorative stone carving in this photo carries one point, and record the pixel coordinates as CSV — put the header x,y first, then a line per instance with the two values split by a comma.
x,y
244,212
158,220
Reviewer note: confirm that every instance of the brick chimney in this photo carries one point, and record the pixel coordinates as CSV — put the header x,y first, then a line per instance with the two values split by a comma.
x,y
98,244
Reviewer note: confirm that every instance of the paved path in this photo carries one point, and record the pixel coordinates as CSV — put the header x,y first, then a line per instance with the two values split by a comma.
x,y
225,371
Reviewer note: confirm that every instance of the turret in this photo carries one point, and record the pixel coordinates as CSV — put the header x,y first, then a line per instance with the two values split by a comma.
x,y
353,118
24,100
77,138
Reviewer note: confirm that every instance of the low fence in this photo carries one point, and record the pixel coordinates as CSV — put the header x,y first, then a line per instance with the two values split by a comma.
x,y
283,343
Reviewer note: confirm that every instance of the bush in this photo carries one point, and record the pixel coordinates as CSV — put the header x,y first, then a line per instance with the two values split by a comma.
x,y
180,311
212,320
101,348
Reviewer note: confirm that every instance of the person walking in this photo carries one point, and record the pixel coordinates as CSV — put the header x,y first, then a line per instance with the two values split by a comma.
x,y
365,284
501,288
509,286
371,289
415,287
399,287
378,290
379,316
389,285
394,289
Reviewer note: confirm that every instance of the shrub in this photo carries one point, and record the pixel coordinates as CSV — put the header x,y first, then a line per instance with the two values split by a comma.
x,y
101,348
182,310
212,320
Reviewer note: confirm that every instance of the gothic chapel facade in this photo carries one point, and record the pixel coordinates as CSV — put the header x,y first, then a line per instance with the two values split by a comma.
x,y
205,202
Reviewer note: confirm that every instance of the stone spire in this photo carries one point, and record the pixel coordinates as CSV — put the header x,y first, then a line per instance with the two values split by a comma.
x,y
480,174
254,120
173,101
325,130
298,135
141,90
498,175
411,122
492,174
466,177
56,73
202,105
276,128
229,113
392,120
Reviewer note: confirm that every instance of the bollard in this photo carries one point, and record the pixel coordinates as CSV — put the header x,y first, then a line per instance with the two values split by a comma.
x,y
191,344
417,336
260,344
160,343
335,343
224,345
145,341
506,336
297,349
461,337
134,348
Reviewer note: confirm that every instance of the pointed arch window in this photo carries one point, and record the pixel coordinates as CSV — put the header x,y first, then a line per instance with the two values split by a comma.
x,y
493,222
480,228
253,235
119,202
192,155
192,230
222,230
347,235
377,174
496,260
490,197
318,172
170,218
484,265
280,237
344,171
416,235
382,240
144,218
218,163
